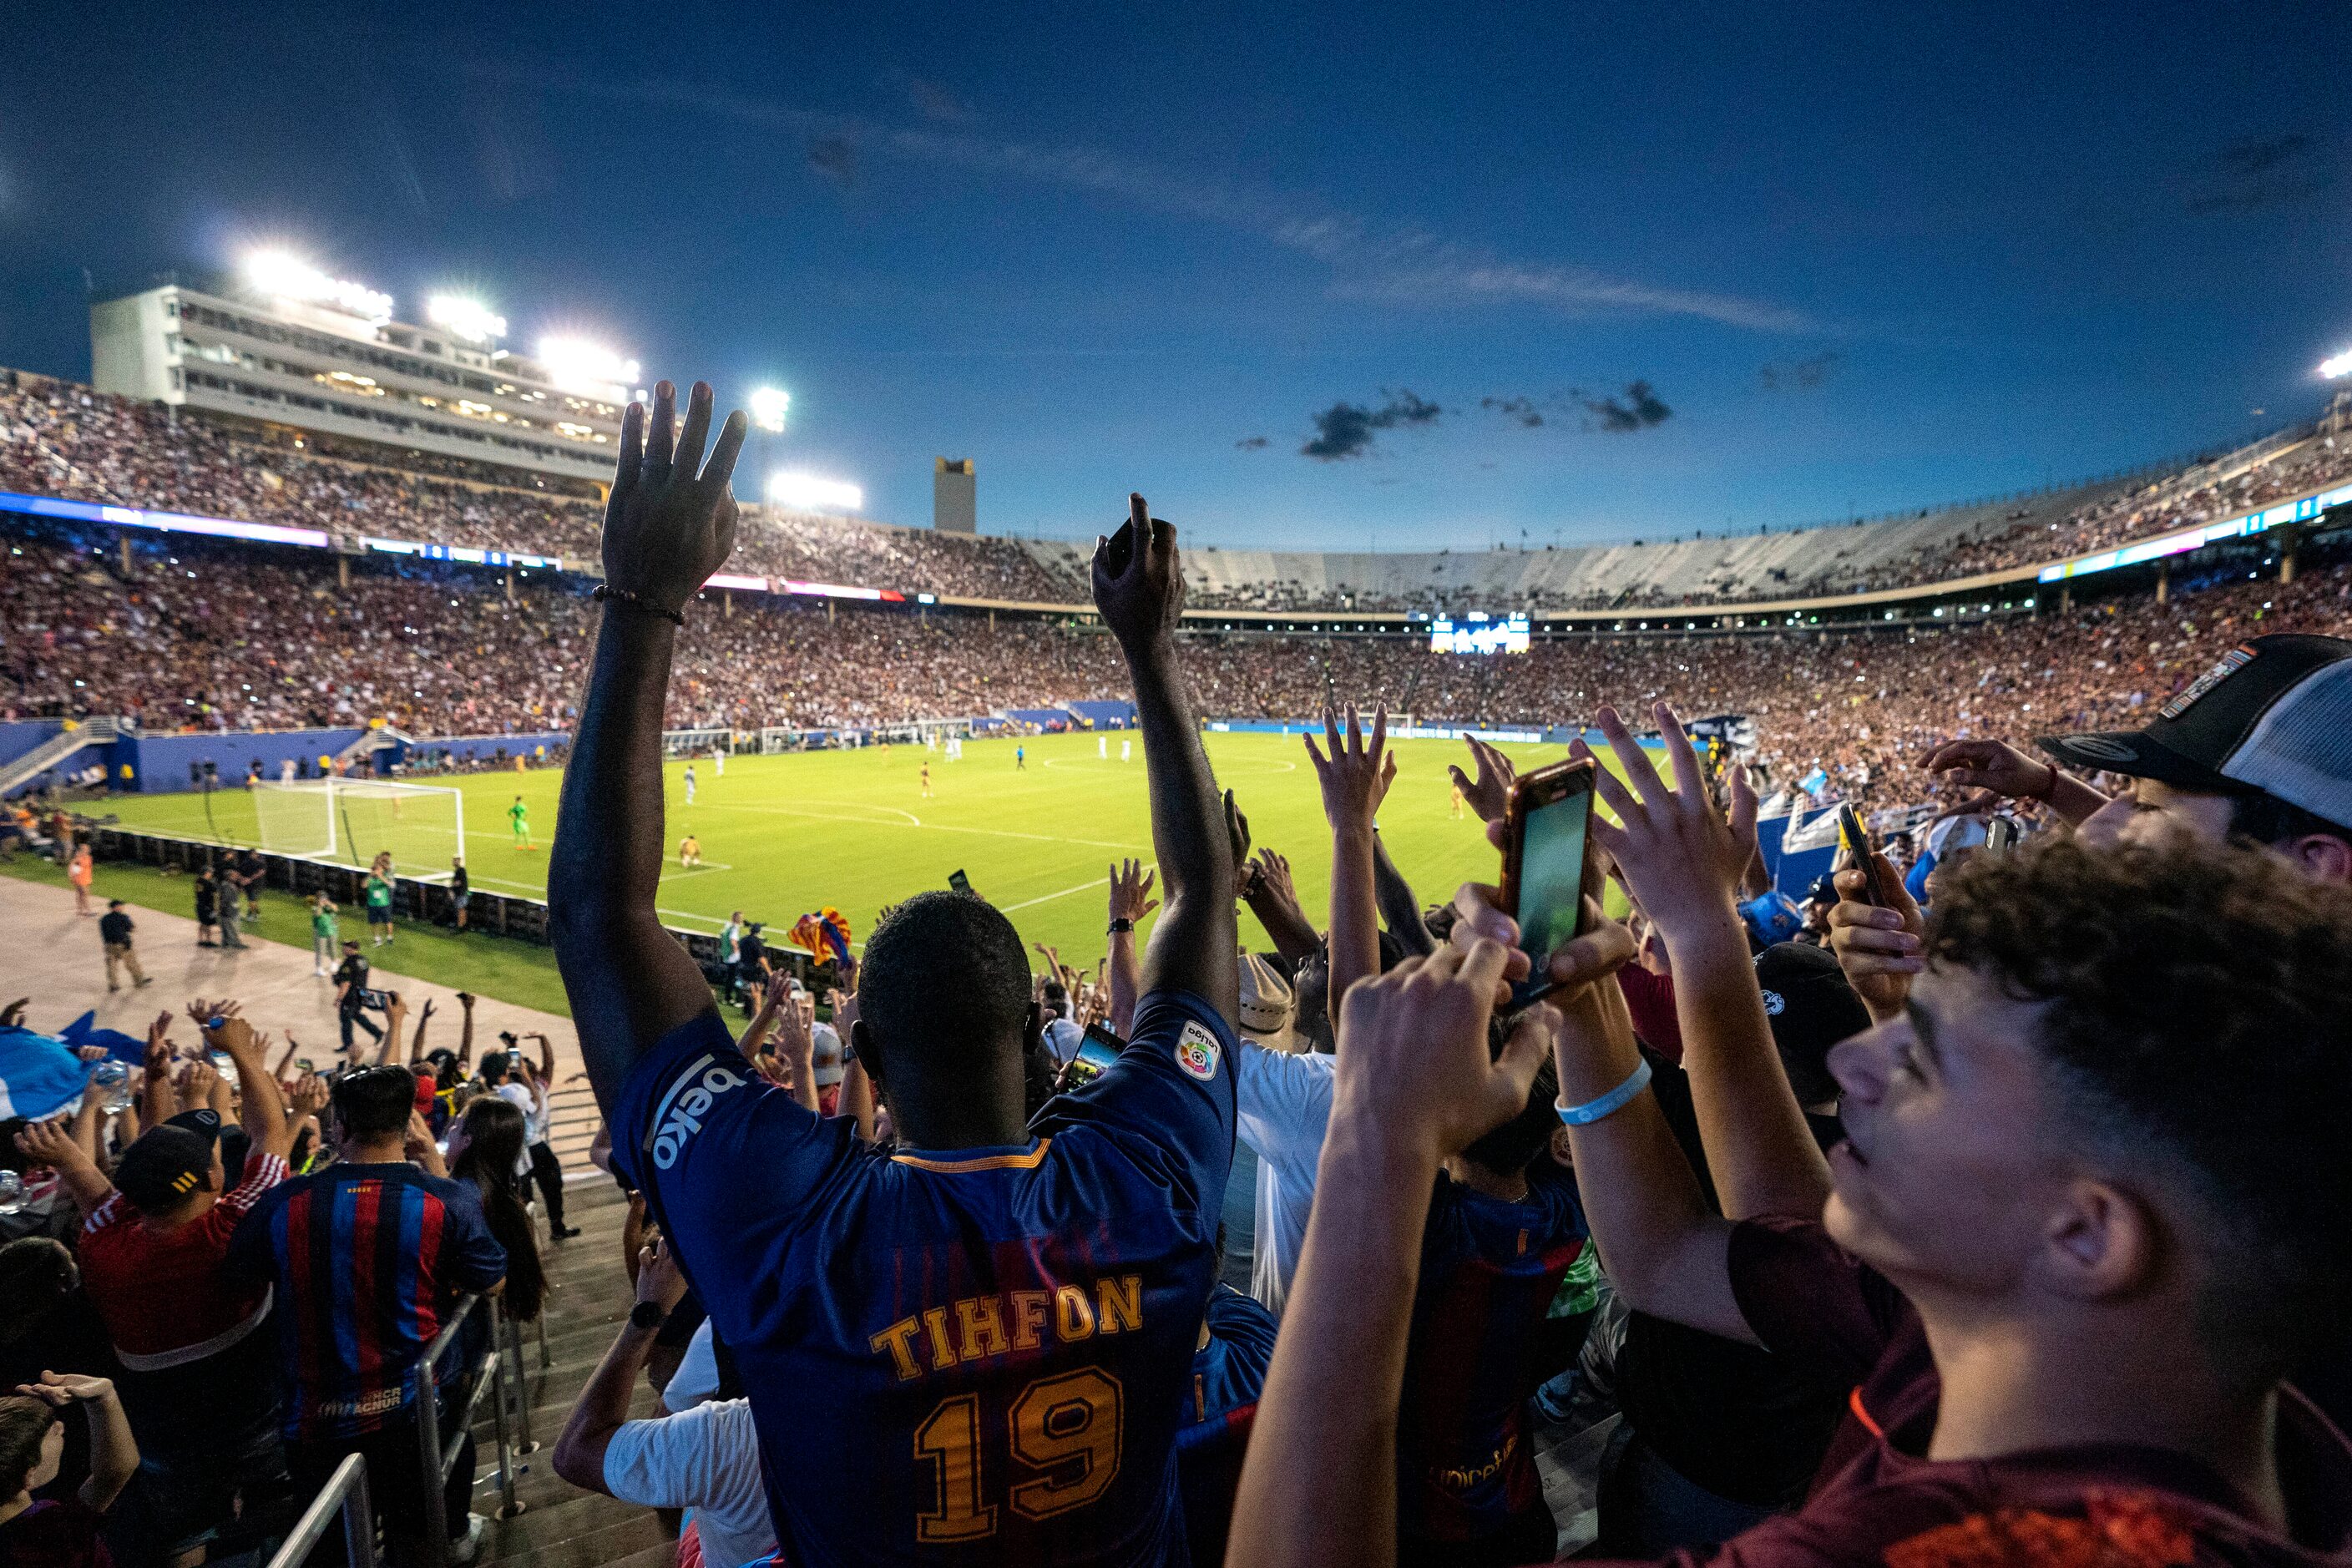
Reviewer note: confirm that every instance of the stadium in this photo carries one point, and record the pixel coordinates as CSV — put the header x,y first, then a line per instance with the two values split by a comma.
x,y
587,987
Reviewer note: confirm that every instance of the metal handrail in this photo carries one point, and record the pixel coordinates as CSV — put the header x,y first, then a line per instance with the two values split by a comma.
x,y
346,1492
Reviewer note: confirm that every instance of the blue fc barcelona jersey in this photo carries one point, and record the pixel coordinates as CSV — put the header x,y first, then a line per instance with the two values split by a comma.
x,y
1228,1374
1488,1271
953,1357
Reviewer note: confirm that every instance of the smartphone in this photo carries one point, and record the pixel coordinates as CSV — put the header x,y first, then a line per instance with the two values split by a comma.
x,y
1854,840
1096,1053
1547,822
2001,835
959,881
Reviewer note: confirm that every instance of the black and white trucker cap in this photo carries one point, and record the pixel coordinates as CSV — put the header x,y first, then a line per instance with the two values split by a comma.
x,y
2274,716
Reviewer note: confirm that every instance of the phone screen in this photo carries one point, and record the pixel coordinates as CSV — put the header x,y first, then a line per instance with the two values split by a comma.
x,y
959,881
1096,1053
1551,877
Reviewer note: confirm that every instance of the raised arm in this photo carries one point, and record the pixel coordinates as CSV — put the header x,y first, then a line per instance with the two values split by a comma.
x,y
1414,1084
263,1114
1130,900
466,1030
395,1014
1139,590
113,1452
416,1040
1683,858
1354,780
546,1059
1267,889
1400,906
1664,1252
1998,771
157,1102
48,1143
667,527
603,1407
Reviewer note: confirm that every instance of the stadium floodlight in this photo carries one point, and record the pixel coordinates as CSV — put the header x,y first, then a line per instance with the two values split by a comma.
x,y
468,319
281,275
2339,365
769,406
575,364
806,492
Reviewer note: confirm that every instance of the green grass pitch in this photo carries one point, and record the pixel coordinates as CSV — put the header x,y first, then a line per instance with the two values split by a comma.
x,y
784,835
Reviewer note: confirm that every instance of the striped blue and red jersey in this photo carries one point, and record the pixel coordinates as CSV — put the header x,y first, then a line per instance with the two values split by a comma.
x,y
1228,1374
1488,1271
366,1261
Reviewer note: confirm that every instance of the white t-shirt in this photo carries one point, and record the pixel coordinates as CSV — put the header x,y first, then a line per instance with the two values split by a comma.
x,y
518,1097
706,1459
695,1381
1285,1106
1063,1039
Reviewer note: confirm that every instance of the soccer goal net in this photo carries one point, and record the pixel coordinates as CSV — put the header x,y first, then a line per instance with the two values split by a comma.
x,y
353,821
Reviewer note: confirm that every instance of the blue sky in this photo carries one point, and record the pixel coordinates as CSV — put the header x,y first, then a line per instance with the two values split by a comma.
x,y
1859,258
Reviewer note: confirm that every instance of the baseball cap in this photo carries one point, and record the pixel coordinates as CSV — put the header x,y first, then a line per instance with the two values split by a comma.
x,y
1810,1006
2274,716
827,1057
165,1163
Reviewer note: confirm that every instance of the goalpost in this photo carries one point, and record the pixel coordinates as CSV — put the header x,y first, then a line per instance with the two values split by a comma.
x,y
351,821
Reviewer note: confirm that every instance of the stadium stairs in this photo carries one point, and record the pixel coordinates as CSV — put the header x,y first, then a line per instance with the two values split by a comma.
x,y
561,1526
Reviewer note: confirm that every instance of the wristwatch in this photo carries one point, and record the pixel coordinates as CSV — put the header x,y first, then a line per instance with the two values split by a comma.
x,y
1121,924
647,1315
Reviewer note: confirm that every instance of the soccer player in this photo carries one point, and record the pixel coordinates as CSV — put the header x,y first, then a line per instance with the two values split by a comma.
x,y
1125,746
719,761
689,852
1020,757
927,781
1102,748
690,783
518,819
992,1327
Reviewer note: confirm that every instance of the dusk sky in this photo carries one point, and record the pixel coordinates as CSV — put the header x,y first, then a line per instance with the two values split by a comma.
x,y
1334,277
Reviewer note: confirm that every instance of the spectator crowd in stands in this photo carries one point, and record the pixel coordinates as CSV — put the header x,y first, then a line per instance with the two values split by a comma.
x,y
1999,1227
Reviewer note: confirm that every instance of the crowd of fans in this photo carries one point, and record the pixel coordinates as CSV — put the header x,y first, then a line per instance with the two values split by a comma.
x,y
58,438
1992,1215
222,639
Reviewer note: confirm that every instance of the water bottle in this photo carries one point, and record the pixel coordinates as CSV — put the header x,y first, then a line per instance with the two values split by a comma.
x,y
111,1078
12,1192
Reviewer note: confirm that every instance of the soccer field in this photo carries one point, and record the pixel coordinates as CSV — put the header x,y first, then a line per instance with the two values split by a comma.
x,y
785,836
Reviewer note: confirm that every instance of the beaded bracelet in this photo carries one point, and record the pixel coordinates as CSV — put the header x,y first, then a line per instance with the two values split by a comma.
x,y
613,595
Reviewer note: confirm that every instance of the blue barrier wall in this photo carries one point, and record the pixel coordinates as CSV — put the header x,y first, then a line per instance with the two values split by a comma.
x,y
1106,715
483,748
19,736
159,764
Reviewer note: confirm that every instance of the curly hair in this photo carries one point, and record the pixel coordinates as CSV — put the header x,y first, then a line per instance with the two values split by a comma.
x,y
2194,1018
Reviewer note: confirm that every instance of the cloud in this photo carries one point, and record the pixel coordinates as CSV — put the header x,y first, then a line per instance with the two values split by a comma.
x,y
1639,410
836,157
2259,172
1387,264
1345,429
933,101
1521,409
1798,374
1253,443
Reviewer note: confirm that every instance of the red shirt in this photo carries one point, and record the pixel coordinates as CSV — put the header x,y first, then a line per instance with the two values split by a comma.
x,y
1649,998
59,1534
164,1295
1879,1504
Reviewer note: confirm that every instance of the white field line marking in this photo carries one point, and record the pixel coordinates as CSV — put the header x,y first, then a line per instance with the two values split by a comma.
x,y
1049,898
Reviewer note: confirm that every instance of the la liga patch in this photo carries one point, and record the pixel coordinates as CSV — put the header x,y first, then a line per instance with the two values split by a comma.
x,y
1197,1052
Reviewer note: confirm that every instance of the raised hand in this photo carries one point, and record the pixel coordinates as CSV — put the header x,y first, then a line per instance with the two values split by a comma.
x,y
1237,833
61,1389
1131,891
1682,858
1488,794
1880,947
670,522
1138,588
310,1095
1356,776
1994,770
48,1143
1414,1070
1604,947
658,1280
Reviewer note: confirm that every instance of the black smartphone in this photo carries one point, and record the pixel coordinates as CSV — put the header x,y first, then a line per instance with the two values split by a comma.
x,y
2001,835
1854,838
959,881
1096,1053
1547,821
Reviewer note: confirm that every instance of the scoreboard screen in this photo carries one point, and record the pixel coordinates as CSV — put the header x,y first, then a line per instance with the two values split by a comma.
x,y
1479,632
